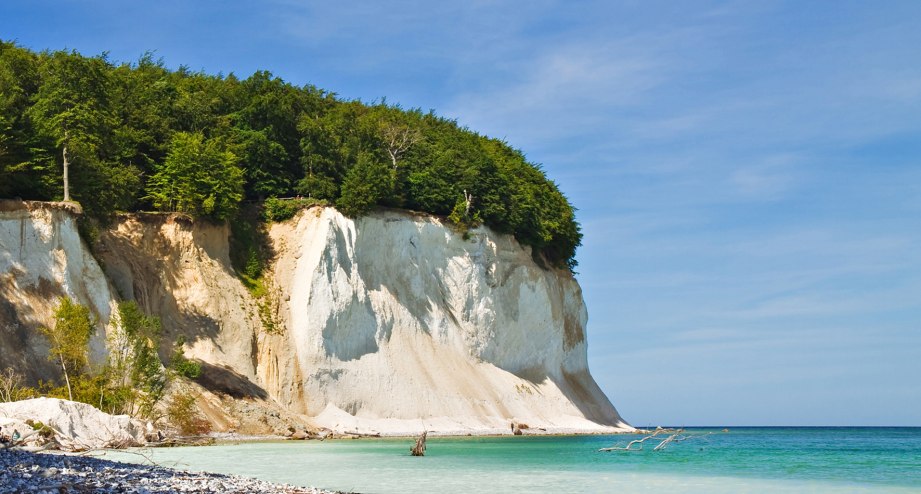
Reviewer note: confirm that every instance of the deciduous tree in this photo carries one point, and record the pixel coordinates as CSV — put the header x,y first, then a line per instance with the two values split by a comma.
x,y
69,338
198,177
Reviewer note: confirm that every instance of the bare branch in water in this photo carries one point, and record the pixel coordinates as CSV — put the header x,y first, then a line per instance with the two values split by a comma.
x,y
675,436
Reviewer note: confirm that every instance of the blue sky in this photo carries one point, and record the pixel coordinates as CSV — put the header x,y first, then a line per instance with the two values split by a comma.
x,y
748,174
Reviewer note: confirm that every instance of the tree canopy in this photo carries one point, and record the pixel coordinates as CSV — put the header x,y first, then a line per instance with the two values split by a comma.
x,y
141,136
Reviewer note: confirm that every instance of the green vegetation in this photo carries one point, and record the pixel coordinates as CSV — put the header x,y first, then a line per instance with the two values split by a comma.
x,y
136,377
274,209
182,413
69,338
133,381
140,136
197,177
42,429
250,249
181,365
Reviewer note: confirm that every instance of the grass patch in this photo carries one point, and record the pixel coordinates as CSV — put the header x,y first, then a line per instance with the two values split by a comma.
x,y
250,254
274,209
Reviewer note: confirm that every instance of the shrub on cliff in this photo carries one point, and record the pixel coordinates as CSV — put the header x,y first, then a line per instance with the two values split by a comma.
x,y
132,381
274,209
183,414
181,365
135,376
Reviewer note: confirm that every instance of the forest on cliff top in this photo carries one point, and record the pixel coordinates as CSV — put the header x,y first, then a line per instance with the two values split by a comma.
x,y
139,136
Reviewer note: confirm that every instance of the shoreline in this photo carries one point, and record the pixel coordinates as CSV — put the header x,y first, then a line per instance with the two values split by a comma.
x,y
22,471
230,438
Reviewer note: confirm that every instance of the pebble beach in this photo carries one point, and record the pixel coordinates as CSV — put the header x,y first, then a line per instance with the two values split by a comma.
x,y
22,471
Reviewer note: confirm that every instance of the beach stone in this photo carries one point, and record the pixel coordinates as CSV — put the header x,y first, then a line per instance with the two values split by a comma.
x,y
21,471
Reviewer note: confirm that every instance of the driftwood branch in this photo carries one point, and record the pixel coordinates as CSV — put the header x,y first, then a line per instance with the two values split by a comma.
x,y
638,442
674,436
361,434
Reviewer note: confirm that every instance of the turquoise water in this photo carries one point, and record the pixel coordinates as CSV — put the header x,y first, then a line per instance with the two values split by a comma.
x,y
741,460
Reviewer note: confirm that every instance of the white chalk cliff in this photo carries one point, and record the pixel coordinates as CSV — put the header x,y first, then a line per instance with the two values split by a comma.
x,y
43,258
389,323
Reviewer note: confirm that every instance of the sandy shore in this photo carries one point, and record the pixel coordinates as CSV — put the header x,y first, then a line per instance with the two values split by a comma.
x,y
230,438
21,471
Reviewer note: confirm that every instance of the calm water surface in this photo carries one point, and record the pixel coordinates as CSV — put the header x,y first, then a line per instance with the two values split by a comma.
x,y
741,460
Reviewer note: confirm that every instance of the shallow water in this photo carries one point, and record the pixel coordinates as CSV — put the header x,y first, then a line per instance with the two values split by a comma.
x,y
741,460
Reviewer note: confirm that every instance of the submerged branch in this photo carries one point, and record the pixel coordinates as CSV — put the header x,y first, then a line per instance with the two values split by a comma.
x,y
675,436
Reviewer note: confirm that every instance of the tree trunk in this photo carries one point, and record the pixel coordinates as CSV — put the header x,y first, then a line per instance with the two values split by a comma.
x,y
393,158
70,394
66,177
419,448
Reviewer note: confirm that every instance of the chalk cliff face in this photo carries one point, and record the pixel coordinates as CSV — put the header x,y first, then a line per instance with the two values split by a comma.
x,y
390,323
42,259
398,318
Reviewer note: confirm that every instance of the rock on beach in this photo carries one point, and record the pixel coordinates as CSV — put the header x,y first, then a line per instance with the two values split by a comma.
x,y
77,426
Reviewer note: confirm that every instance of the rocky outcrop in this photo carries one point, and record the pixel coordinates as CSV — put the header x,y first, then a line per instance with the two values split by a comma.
x,y
73,426
390,323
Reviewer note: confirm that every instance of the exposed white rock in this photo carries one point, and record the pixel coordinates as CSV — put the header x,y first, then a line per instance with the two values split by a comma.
x,y
77,426
41,259
400,323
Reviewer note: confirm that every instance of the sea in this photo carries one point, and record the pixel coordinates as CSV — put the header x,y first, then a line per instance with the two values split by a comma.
x,y
710,460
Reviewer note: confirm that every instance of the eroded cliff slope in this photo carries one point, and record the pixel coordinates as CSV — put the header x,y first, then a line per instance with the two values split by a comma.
x,y
390,323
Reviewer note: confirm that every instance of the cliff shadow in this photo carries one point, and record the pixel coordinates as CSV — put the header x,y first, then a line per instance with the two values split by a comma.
x,y
24,350
580,389
224,380
22,346
249,246
585,394
401,268
189,325
147,270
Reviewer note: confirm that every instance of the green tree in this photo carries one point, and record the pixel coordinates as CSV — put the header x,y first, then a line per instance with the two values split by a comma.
x,y
71,107
18,82
136,370
74,126
268,117
366,184
197,177
263,163
69,338
143,96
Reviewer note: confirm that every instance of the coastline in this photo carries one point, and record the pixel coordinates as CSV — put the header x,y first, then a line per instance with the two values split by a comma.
x,y
231,437
750,460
